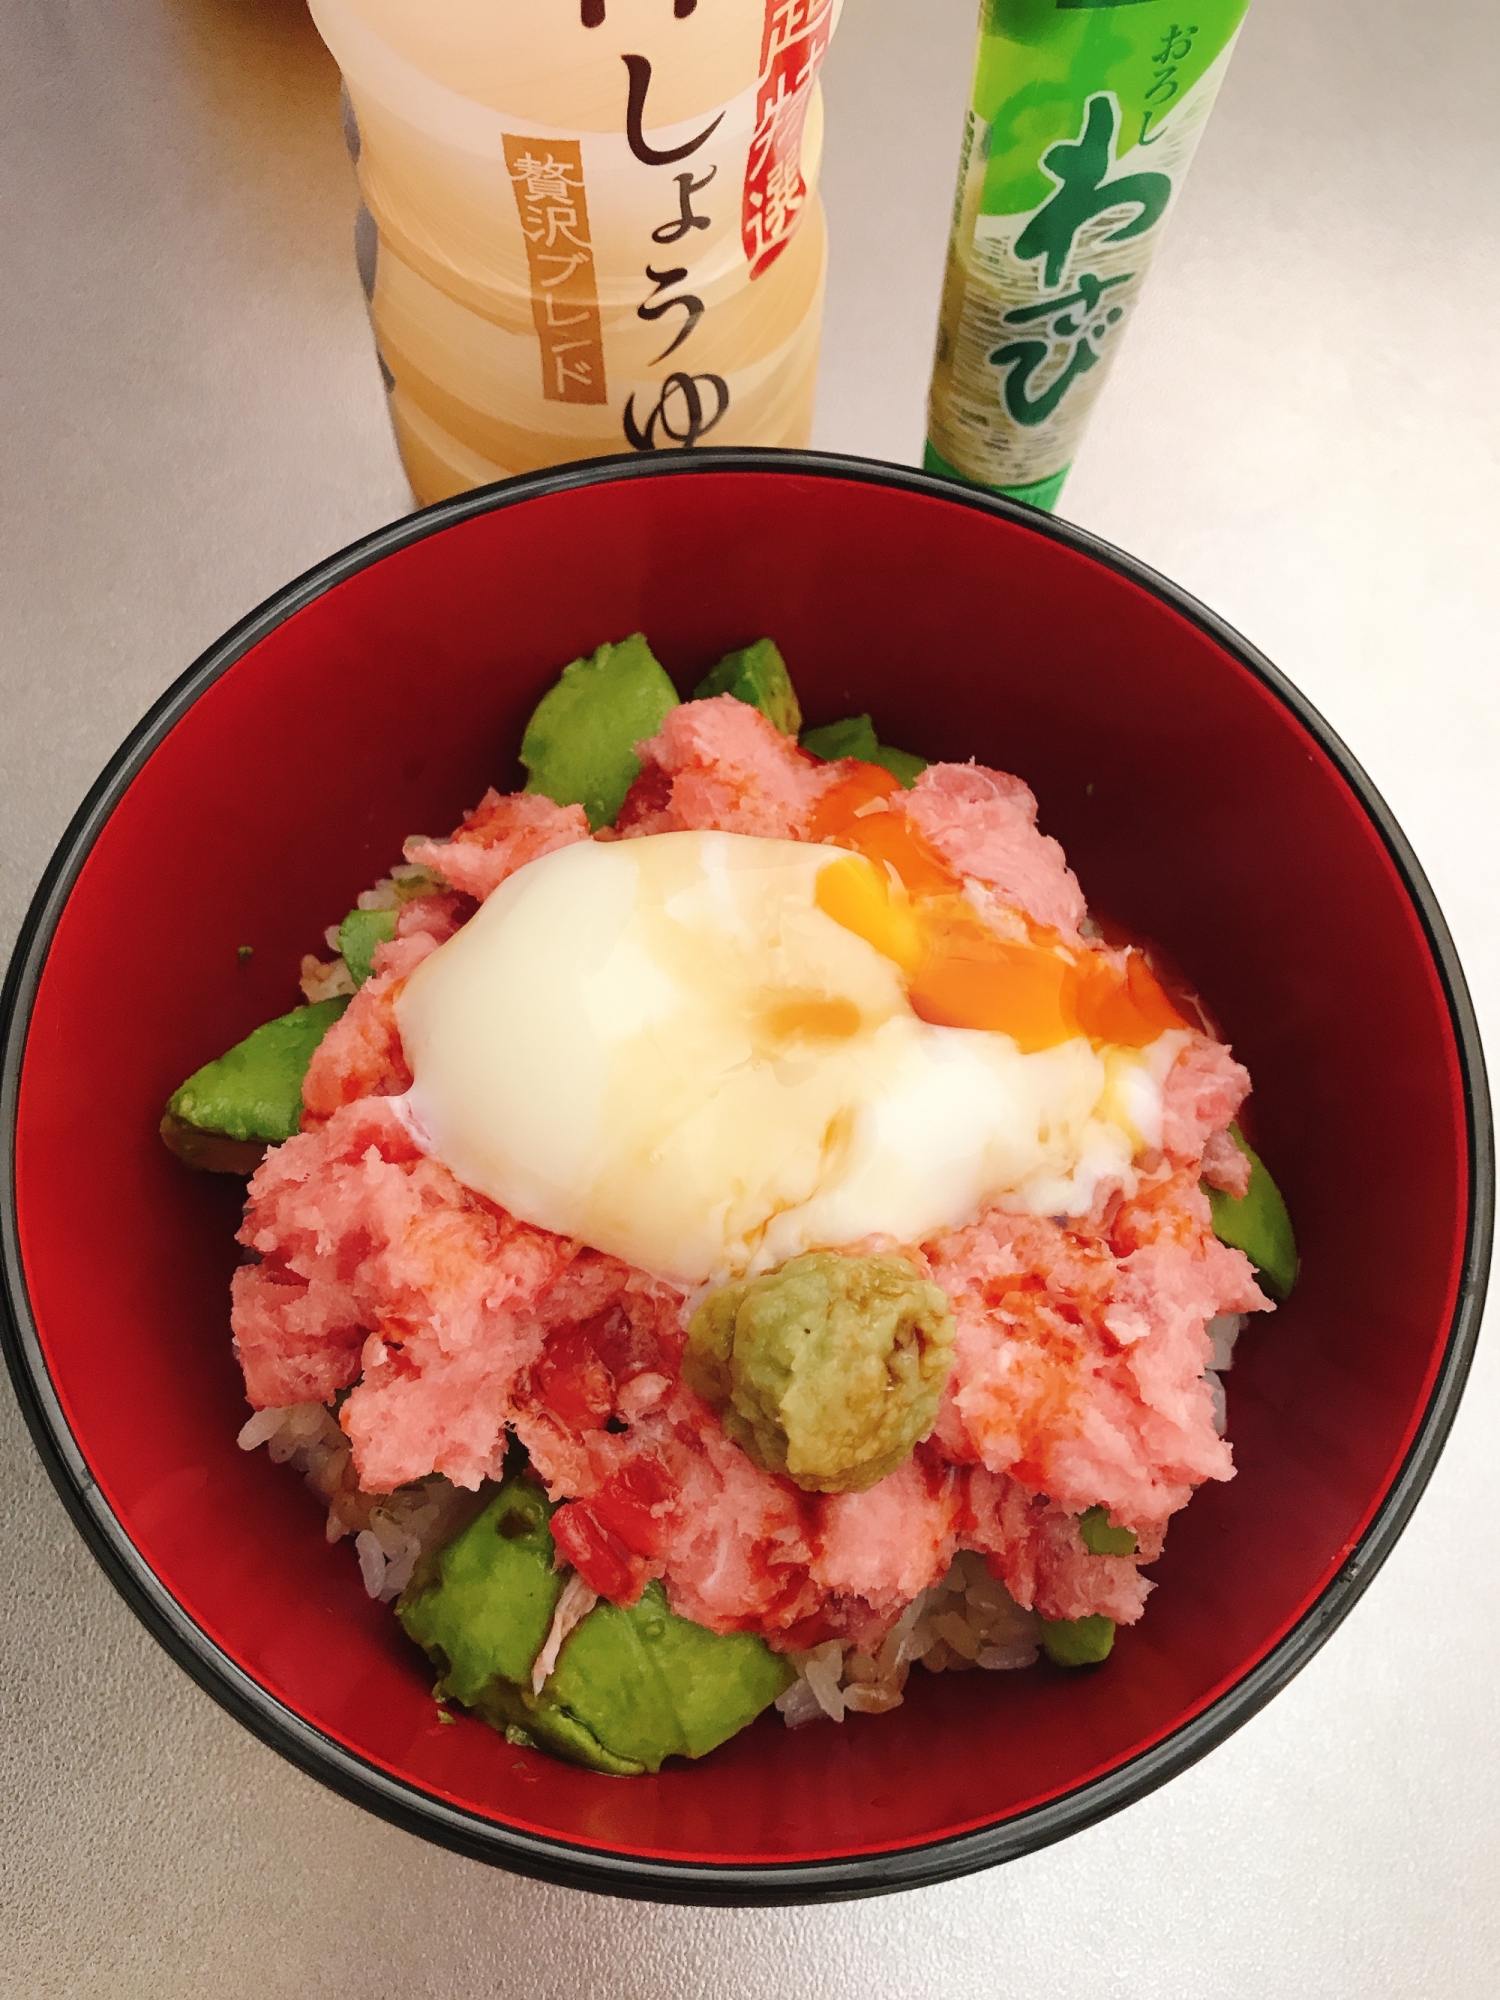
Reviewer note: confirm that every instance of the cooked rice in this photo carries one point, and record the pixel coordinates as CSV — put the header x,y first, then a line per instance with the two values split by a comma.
x,y
325,982
333,979
406,881
967,1620
1223,1332
392,1531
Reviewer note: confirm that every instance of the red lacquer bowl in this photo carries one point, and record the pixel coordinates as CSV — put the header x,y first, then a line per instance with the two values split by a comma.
x,y
1203,803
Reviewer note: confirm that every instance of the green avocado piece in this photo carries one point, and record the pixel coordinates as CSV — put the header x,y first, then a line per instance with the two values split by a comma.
x,y
1259,1224
481,1607
1077,1642
855,737
579,746
828,1370
482,1604
631,1686
756,675
211,1152
1101,1538
254,1091
359,934
650,1685
538,1721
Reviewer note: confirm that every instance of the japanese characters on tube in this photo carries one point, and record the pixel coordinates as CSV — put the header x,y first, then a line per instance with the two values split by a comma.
x,y
1083,121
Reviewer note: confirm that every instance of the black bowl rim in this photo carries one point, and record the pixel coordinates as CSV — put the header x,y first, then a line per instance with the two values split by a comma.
x,y
562,1862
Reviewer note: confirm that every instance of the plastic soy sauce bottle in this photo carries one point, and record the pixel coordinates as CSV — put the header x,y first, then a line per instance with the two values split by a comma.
x,y
593,225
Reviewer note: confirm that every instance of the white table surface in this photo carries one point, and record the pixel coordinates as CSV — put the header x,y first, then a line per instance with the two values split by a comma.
x,y
1302,429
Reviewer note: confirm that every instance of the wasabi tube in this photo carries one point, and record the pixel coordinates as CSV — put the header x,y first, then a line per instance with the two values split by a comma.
x,y
1083,121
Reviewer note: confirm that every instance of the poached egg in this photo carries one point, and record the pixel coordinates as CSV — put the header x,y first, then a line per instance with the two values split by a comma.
x,y
700,1052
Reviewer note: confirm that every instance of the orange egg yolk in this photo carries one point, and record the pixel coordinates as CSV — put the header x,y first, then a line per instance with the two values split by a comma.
x,y
898,893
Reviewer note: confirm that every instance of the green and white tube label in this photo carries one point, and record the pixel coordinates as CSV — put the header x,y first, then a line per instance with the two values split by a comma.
x,y
1084,118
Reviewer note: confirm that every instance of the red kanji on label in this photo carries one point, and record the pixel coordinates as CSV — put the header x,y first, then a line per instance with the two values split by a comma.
x,y
796,35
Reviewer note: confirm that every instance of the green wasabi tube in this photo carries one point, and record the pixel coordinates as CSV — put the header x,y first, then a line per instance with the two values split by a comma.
x,y
1082,123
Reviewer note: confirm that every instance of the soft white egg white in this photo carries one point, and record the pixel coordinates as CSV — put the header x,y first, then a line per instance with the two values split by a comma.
x,y
664,1048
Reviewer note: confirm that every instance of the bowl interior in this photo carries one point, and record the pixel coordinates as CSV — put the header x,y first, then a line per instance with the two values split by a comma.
x,y
1196,808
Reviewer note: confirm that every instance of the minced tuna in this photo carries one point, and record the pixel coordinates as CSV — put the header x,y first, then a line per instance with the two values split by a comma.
x,y
445,1325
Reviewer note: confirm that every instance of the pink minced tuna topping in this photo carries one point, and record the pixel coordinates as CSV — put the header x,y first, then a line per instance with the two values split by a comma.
x,y
1079,1373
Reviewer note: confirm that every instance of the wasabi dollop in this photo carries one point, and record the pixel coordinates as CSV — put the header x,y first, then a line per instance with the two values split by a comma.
x,y
828,1370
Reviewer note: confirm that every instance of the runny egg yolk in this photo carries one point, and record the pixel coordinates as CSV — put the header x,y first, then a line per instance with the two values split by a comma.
x,y
898,893
707,1053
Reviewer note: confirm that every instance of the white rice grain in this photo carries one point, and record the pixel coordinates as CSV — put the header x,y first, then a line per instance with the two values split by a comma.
x,y
324,982
1224,1331
798,1705
371,1561
823,1671
264,1424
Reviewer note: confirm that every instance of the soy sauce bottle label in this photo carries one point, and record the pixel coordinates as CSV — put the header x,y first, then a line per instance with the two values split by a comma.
x,y
591,226
1083,120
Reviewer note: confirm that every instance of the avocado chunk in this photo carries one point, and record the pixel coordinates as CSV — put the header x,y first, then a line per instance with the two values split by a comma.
x,y
650,1685
855,737
1077,1642
756,675
359,934
579,746
537,1721
482,1604
210,1152
828,1370
1258,1224
1101,1538
631,1685
251,1096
